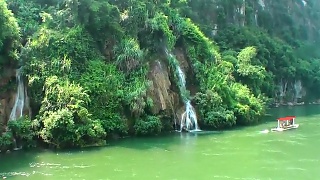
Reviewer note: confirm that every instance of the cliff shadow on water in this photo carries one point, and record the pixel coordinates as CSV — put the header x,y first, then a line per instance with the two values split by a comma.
x,y
299,111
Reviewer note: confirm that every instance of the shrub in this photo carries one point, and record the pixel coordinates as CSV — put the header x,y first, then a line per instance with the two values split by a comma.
x,y
22,130
148,125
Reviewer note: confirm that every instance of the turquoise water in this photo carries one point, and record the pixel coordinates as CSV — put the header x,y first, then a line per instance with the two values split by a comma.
x,y
243,153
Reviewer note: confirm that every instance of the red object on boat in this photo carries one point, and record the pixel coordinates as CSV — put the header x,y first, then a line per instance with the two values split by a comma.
x,y
287,118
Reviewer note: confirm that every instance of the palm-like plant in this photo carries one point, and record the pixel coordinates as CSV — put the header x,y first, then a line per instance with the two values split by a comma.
x,y
128,54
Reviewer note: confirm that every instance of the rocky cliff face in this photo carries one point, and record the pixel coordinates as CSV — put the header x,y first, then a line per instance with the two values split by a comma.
x,y
163,97
7,96
274,16
163,89
293,21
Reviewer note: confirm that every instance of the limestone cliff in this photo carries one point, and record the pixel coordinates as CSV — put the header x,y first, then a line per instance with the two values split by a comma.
x,y
163,89
7,96
160,90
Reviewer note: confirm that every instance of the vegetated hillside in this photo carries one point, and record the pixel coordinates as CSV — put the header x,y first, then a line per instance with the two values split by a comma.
x,y
97,68
285,34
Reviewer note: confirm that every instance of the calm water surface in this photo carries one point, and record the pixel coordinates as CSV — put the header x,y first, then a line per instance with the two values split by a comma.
x,y
243,153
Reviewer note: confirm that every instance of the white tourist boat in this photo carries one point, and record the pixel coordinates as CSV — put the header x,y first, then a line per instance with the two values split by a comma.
x,y
285,123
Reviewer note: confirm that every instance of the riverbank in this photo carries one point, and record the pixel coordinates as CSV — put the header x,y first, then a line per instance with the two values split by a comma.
x,y
316,102
270,117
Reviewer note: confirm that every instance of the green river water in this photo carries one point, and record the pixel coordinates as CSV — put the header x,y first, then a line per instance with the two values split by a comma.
x,y
243,153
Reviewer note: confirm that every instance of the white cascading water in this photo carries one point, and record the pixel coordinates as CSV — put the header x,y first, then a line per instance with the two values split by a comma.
x,y
189,118
189,121
262,4
256,17
215,30
17,110
298,89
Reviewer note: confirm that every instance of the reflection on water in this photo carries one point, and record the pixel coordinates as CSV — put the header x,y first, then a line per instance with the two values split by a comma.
x,y
244,153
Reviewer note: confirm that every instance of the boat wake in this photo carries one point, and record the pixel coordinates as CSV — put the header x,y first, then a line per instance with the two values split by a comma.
x,y
266,131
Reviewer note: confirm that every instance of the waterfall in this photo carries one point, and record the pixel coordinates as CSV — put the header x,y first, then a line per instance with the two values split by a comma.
x,y
215,30
256,17
189,118
262,4
298,89
283,88
17,110
189,121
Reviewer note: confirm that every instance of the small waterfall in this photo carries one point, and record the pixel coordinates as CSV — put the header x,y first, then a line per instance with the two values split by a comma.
x,y
256,17
189,118
262,4
298,90
17,110
182,78
189,121
215,30
283,88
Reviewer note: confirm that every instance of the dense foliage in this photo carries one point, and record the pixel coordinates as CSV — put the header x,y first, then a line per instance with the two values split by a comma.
x,y
20,134
87,63
9,37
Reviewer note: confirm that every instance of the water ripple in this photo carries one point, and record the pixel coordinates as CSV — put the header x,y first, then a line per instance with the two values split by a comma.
x,y
284,141
43,164
308,160
9,174
295,168
53,165
228,177
273,151
212,154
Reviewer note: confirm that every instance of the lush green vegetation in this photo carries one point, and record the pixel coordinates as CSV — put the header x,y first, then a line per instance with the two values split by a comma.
x,y
87,63
9,36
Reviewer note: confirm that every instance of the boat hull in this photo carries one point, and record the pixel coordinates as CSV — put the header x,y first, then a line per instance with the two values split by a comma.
x,y
295,126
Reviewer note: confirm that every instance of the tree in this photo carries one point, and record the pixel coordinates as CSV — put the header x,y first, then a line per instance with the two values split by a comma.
x,y
9,36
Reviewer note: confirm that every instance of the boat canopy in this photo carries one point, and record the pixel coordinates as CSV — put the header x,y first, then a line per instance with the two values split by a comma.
x,y
287,118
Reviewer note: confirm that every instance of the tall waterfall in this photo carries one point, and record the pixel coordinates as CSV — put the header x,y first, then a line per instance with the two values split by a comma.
x,y
189,121
17,110
298,90
256,17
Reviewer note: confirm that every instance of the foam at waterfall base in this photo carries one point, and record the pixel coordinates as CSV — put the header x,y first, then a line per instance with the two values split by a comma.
x,y
195,130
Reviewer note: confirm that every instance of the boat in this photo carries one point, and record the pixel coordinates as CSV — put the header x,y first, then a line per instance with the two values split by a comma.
x,y
285,123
